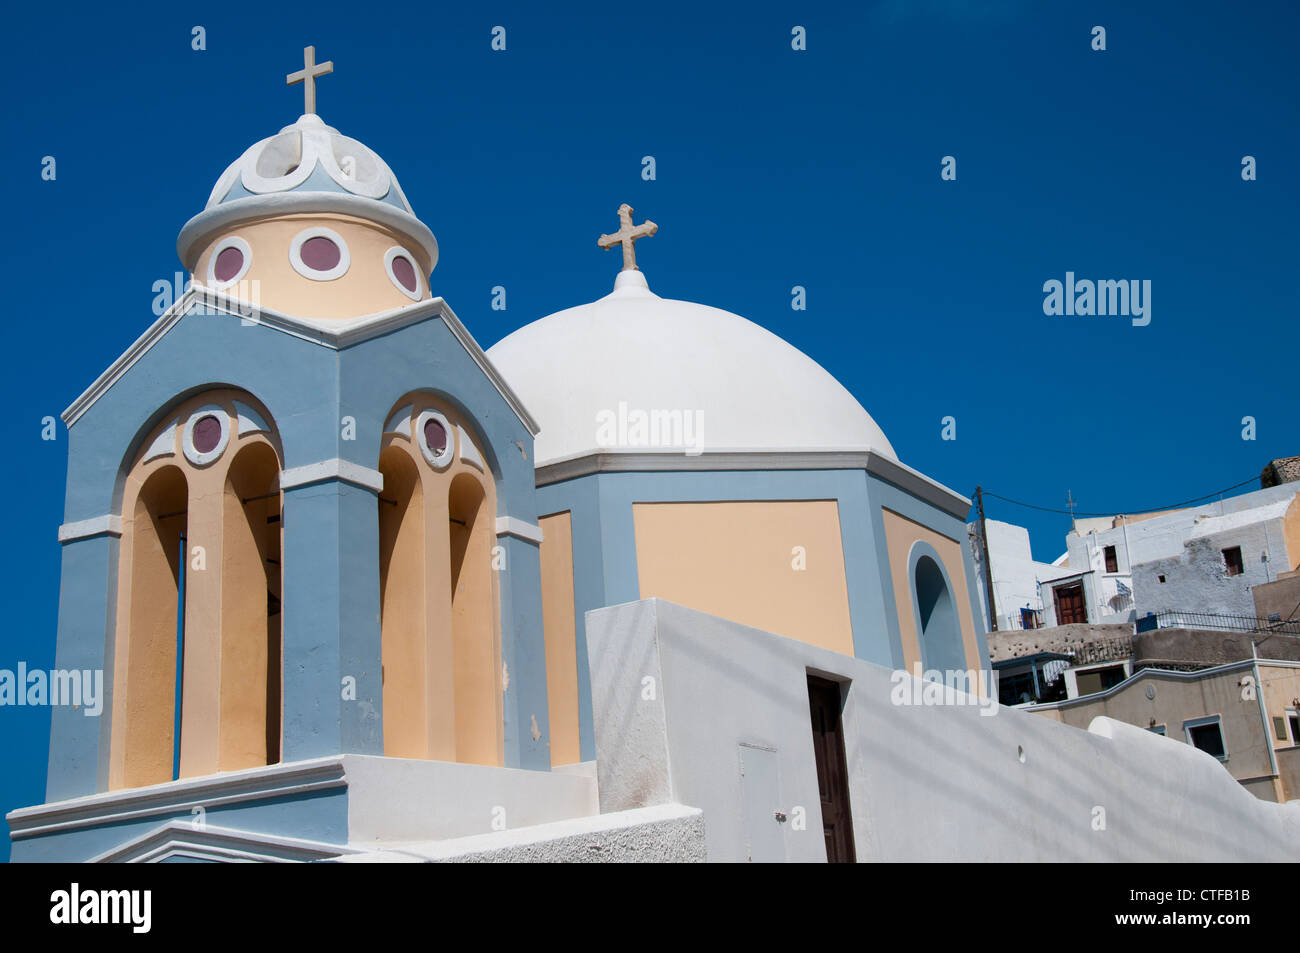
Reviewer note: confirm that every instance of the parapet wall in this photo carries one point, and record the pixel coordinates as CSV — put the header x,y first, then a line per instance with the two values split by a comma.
x,y
682,699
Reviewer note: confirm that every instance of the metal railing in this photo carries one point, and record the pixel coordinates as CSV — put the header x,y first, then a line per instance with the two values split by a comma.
x,y
1178,619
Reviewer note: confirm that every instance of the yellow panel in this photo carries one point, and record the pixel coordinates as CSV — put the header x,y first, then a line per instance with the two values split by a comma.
x,y
561,637
740,561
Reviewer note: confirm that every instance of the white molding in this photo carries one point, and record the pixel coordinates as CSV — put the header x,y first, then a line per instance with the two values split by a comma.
x,y
248,420
141,346
319,231
336,469
280,780
510,526
469,452
164,445
181,838
398,251
230,214
336,335
192,453
110,524
400,421
485,364
230,241
901,475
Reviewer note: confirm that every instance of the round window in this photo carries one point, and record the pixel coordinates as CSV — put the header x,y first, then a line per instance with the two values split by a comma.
x,y
319,254
434,435
402,272
206,434
230,260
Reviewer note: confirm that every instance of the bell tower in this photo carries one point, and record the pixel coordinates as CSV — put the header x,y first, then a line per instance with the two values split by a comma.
x,y
300,517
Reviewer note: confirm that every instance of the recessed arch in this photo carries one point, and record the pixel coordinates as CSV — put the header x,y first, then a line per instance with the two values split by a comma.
x,y
439,620
934,602
218,484
151,580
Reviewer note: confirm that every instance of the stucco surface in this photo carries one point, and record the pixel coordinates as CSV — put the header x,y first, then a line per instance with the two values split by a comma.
x,y
665,834
927,782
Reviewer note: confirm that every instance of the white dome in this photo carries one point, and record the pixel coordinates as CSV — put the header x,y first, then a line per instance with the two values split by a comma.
x,y
588,370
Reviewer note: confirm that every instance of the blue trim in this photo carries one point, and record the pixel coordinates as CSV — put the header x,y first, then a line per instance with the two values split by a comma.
x,y
1191,723
604,544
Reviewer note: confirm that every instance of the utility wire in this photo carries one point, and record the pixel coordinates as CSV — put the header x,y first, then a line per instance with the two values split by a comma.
x,y
1156,509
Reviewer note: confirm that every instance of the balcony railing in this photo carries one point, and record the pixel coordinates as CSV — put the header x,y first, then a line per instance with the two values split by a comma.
x,y
1178,619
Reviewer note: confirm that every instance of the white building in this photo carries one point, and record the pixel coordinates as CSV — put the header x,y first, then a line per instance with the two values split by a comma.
x,y
1017,577
1191,563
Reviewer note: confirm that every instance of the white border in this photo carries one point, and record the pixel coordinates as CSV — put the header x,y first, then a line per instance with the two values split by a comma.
x,y
233,241
512,526
335,469
110,525
187,437
439,461
392,253
295,254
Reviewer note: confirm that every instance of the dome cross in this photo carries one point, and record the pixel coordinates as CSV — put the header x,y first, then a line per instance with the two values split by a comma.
x,y
627,235
307,76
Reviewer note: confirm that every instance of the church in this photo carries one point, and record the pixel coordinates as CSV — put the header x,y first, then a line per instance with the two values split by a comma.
x,y
629,584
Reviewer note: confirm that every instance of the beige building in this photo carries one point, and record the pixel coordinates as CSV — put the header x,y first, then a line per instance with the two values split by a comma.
x,y
1246,714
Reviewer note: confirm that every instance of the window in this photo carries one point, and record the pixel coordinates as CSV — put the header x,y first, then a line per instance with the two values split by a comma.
x,y
1293,719
1099,679
1232,560
399,263
1112,564
320,254
1207,734
1161,577
228,262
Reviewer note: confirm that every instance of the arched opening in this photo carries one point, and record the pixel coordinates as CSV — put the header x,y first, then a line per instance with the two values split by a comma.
x,y
940,630
473,622
145,708
403,610
200,558
438,589
250,611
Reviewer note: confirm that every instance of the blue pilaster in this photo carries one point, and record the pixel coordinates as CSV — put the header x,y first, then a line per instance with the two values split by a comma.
x,y
331,621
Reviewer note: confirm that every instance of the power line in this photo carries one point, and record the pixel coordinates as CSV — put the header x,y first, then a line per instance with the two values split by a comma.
x,y
1156,509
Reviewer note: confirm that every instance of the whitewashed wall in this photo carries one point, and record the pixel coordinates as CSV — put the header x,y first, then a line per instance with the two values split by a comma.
x,y
681,696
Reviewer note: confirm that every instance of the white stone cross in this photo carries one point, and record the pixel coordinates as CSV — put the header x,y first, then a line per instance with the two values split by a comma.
x,y
307,76
626,235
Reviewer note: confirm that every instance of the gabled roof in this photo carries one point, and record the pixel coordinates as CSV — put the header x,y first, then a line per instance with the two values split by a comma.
x,y
336,335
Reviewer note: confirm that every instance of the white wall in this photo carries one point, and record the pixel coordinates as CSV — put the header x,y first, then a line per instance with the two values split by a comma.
x,y
1164,538
1196,579
677,693
1016,573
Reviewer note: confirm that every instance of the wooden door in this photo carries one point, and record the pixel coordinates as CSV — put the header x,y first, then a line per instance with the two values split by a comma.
x,y
832,769
1069,604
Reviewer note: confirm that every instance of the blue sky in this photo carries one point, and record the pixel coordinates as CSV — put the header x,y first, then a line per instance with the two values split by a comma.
x,y
775,168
